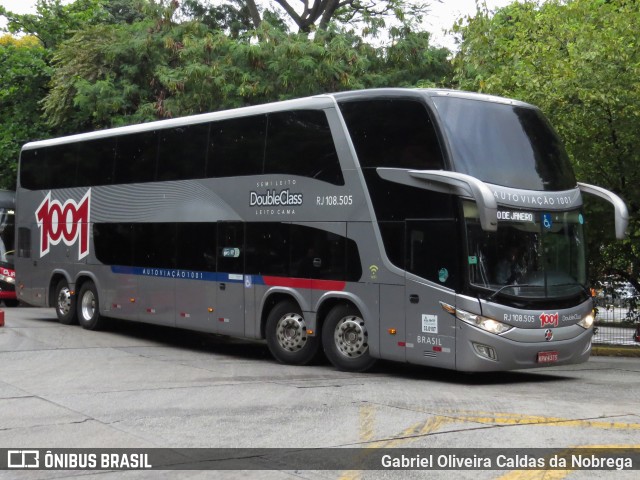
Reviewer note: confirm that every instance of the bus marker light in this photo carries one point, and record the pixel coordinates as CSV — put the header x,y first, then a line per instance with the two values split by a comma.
x,y
116,305
210,309
132,300
485,351
151,310
310,332
392,331
224,320
185,315
402,344
437,348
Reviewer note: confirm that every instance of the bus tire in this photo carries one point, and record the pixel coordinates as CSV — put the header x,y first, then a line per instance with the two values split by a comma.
x,y
287,336
65,303
345,339
89,308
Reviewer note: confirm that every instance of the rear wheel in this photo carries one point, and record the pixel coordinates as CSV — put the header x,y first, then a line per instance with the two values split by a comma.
x,y
287,335
65,304
89,308
345,339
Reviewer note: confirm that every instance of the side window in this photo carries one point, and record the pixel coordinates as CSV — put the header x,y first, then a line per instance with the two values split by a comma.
x,y
394,133
236,147
95,162
431,251
299,142
196,246
113,243
154,245
136,158
323,255
268,248
183,152
24,242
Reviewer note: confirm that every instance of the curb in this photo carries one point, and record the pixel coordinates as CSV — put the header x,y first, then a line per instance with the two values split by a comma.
x,y
615,351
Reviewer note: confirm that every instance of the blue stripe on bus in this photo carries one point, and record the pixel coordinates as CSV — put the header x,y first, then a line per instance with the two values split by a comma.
x,y
182,274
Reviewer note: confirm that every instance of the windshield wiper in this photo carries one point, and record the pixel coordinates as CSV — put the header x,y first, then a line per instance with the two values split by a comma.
x,y
514,285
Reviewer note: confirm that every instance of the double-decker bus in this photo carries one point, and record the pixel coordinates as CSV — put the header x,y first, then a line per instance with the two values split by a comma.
x,y
433,227
7,271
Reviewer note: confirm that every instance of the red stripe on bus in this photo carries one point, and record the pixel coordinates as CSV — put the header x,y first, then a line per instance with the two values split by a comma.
x,y
310,283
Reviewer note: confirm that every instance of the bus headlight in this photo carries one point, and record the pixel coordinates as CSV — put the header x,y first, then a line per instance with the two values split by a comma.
x,y
587,322
8,279
485,323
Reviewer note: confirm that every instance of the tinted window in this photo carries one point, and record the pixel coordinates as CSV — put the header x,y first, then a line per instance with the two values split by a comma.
x,y
183,152
113,243
300,143
395,133
432,251
46,168
24,242
323,255
236,147
268,248
196,246
154,245
505,144
136,158
95,161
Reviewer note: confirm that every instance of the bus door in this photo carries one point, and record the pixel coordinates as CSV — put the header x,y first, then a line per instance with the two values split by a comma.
x,y
432,273
230,304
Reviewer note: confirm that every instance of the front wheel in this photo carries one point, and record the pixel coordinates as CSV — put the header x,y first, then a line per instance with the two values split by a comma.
x,y
89,308
287,336
345,339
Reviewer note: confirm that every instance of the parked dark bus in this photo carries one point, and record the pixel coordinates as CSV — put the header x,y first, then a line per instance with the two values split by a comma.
x,y
7,234
433,227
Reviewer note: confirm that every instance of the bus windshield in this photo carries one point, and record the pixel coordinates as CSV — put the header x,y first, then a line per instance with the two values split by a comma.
x,y
532,256
503,144
6,235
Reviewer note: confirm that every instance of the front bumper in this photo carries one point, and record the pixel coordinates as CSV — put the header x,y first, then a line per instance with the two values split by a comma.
x,y
573,345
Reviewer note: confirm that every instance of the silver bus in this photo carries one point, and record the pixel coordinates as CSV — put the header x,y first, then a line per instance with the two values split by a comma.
x,y
433,227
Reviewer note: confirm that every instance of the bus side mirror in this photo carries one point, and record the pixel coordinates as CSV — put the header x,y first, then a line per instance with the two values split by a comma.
x,y
453,183
620,208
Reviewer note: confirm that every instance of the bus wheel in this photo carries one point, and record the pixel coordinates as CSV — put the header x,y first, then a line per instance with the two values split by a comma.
x,y
345,339
287,335
89,308
65,304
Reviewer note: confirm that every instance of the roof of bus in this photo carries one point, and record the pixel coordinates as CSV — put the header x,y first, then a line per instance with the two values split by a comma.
x,y
316,102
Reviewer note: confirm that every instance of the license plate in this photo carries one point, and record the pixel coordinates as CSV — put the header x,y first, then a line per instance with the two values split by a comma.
x,y
547,357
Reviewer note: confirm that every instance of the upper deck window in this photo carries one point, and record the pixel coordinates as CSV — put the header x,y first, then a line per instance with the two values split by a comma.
x,y
395,133
507,145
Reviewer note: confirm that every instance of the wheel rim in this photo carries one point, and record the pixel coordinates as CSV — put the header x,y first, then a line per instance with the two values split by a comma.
x,y
88,306
351,337
291,332
64,301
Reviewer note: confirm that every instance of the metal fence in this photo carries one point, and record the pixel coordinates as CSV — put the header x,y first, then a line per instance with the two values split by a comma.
x,y
618,323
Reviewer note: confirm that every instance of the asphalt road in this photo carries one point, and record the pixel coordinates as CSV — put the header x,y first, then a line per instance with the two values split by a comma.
x,y
140,386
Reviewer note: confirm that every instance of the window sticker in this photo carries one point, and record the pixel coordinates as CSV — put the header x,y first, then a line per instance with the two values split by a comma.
x,y
429,323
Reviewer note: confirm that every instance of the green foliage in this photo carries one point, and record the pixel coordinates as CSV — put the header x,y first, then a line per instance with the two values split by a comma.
x,y
110,75
578,61
23,78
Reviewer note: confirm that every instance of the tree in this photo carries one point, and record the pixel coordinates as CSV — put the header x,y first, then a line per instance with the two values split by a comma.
x,y
24,75
579,61
166,66
54,22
